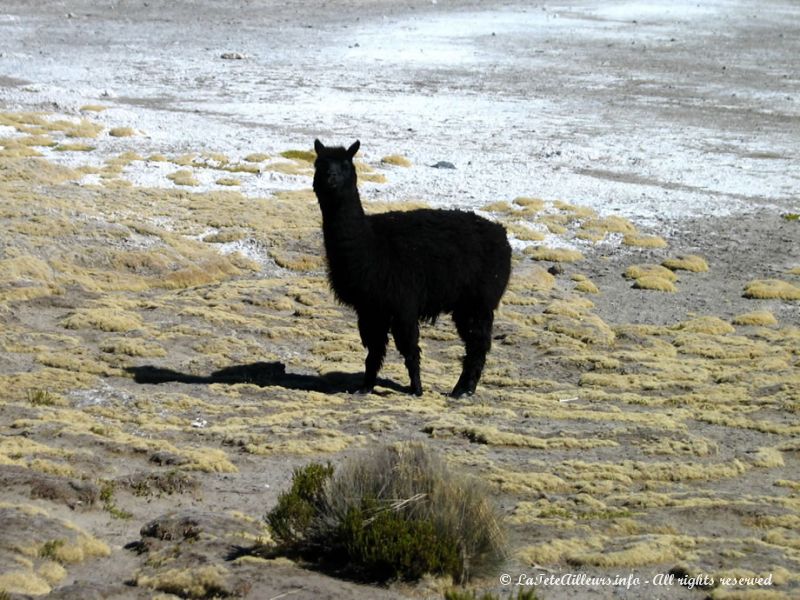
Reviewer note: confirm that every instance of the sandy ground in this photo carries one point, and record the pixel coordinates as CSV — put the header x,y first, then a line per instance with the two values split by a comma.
x,y
628,431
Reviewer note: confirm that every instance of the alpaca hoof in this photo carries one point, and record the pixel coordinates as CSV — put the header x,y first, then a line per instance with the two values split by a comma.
x,y
363,391
459,392
416,391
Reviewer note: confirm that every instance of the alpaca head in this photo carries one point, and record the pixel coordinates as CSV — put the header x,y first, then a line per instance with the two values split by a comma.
x,y
334,170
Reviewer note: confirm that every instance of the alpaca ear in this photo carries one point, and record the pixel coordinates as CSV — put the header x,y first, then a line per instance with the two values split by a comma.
x,y
351,151
318,147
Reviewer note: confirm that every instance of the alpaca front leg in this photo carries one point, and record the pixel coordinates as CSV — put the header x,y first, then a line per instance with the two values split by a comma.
x,y
374,335
476,331
406,338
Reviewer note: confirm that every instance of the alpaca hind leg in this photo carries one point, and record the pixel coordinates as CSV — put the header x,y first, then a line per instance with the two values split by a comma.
x,y
374,335
406,338
476,331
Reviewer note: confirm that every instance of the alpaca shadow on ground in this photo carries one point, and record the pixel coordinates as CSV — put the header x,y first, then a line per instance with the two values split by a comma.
x,y
264,374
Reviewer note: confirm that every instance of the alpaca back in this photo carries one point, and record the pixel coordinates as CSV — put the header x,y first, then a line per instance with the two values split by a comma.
x,y
440,259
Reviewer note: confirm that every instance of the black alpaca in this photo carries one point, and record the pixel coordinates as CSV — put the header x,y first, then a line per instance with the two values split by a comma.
x,y
398,268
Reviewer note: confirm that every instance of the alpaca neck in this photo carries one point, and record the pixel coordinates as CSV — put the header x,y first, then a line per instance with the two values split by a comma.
x,y
348,238
343,220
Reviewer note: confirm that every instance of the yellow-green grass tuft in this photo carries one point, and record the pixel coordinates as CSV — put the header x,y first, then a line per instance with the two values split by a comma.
x,y
207,581
252,168
226,235
772,289
553,254
653,282
687,262
644,241
22,581
128,157
298,261
212,159
524,233
25,268
591,235
17,150
228,182
498,207
132,347
612,224
396,160
554,223
256,157
121,132
95,108
76,147
555,551
648,270
710,325
647,550
304,155
83,129
578,211
763,318
185,160
77,550
534,279
373,177
587,287
183,177
44,141
529,206
768,458
104,319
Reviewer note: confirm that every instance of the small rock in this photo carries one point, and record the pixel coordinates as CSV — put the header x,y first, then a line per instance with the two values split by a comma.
x,y
443,164
232,56
556,270
181,526
167,458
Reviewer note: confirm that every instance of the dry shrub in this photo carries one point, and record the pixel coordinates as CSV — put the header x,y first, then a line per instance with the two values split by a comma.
x,y
291,519
394,513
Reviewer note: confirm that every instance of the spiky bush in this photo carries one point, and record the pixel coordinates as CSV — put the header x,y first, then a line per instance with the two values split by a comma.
x,y
291,518
394,513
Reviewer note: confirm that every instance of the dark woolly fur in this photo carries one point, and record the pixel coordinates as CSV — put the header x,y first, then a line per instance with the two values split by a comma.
x,y
398,268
